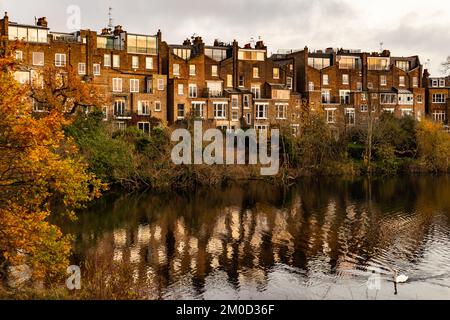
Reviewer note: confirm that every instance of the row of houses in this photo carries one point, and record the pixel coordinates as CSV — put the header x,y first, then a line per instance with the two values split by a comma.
x,y
147,80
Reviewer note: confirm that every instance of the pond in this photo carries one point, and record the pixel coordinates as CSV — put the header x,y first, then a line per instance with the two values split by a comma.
x,y
320,239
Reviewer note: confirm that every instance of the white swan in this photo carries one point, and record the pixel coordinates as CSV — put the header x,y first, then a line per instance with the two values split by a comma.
x,y
400,278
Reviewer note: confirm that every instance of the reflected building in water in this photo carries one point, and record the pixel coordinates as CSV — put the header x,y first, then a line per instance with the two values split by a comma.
x,y
247,240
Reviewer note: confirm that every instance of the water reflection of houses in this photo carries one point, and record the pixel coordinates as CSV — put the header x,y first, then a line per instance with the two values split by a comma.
x,y
246,232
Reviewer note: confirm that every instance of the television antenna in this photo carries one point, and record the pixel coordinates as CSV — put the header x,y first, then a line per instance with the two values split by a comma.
x,y
110,18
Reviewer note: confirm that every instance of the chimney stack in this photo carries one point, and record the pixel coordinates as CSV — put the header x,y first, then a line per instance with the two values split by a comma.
x,y
118,30
199,45
260,45
42,22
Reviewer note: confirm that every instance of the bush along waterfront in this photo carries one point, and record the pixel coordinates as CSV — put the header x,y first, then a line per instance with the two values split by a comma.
x,y
134,160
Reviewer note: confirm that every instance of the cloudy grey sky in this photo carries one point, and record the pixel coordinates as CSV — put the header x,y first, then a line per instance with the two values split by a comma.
x,y
406,27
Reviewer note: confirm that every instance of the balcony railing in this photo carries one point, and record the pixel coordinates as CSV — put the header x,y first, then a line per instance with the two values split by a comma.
x,y
122,115
66,38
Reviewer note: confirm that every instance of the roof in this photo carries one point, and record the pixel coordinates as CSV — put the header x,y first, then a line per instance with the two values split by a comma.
x,y
15,24
402,91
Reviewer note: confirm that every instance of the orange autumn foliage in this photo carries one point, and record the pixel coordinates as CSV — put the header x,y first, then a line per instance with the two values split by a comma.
x,y
40,167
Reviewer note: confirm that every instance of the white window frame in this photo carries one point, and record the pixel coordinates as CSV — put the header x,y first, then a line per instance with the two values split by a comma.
x,y
235,115
201,107
282,109
234,102
37,56
116,61
18,55
135,62
82,68
176,69
246,101
326,96
144,125
220,110
438,98
290,82
181,89
107,60
276,73
158,106
60,59
352,112
96,69
255,72
149,63
193,92
120,125
439,116
419,98
143,108
119,105
249,118
383,80
161,85
214,70
117,84
325,80
261,111
330,115
343,95
256,90
192,70
384,96
402,81
134,85
22,77
261,127
345,79
178,111
229,81
359,86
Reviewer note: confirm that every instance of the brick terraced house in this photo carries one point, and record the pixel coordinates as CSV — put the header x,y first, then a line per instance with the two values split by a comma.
x,y
438,97
349,85
228,86
125,66
147,81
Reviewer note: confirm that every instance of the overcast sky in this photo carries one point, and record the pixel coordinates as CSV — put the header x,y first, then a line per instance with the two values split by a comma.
x,y
406,27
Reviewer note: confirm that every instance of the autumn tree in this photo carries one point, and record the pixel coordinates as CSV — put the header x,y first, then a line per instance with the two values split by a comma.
x,y
434,146
40,167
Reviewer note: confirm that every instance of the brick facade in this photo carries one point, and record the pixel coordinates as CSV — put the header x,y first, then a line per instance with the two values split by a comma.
x,y
438,97
126,67
148,81
347,84
229,86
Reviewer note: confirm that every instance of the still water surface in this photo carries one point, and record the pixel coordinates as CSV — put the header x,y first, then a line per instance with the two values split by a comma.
x,y
321,239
